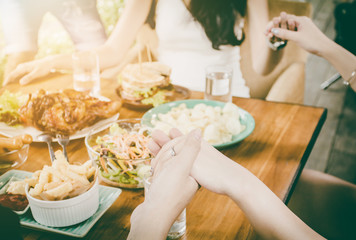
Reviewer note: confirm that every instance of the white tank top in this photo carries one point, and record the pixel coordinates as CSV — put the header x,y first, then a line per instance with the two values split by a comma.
x,y
184,46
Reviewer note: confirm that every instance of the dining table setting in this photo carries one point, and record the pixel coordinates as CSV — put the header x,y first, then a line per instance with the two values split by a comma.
x,y
273,140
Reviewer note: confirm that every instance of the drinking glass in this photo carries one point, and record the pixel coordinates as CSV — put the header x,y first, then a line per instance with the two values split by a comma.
x,y
179,226
86,72
218,83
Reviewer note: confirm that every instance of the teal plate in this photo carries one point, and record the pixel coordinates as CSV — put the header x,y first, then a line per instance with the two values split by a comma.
x,y
245,118
107,196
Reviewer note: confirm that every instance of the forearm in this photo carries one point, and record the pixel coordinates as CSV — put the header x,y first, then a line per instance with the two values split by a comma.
x,y
269,216
149,223
264,59
341,59
124,34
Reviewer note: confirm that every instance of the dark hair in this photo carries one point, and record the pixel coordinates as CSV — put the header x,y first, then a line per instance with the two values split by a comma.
x,y
217,17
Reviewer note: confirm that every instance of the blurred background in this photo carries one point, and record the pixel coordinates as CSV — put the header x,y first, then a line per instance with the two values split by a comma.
x,y
335,149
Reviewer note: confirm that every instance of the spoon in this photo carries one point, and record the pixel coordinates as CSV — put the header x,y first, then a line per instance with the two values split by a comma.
x,y
63,140
45,137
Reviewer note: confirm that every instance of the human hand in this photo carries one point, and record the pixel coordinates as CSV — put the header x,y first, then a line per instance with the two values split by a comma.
x,y
307,35
209,167
171,187
282,22
29,71
172,167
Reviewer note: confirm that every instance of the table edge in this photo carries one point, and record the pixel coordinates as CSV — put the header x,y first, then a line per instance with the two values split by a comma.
x,y
305,157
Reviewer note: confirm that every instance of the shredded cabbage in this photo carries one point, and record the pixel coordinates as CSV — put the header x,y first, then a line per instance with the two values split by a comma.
x,y
10,104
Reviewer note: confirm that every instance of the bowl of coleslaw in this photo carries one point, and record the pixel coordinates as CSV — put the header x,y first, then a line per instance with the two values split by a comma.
x,y
121,153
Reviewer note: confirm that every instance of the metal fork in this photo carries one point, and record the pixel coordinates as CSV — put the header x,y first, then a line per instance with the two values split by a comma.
x,y
63,140
47,138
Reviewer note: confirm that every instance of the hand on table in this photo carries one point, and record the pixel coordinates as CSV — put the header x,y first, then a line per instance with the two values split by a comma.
x,y
27,72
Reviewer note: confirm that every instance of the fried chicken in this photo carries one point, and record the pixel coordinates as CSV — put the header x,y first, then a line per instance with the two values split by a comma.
x,y
65,112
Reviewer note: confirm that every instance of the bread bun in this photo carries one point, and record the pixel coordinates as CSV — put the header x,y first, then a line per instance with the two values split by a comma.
x,y
140,81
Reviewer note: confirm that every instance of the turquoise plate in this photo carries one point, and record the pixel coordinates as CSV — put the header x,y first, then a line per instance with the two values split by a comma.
x,y
107,196
245,118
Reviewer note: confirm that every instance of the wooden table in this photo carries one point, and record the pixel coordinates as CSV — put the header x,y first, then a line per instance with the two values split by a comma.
x,y
275,152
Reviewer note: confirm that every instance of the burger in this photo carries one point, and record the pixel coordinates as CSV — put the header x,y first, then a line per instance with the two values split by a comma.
x,y
147,83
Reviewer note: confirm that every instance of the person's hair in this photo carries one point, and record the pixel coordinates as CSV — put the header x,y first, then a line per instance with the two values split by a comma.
x,y
218,19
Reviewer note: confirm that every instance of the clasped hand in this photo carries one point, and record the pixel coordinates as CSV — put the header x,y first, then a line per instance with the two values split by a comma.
x,y
180,164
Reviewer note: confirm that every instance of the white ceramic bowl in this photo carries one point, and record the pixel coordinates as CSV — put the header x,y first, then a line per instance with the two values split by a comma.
x,y
65,212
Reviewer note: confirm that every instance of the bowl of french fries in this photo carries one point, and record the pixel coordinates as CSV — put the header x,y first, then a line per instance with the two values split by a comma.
x,y
121,153
13,151
63,194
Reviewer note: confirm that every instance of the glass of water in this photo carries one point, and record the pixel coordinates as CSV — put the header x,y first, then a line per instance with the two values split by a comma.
x,y
218,83
86,72
179,226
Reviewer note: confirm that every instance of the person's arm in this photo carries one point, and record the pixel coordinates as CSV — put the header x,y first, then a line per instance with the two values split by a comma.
x,y
309,37
110,54
264,59
124,34
269,216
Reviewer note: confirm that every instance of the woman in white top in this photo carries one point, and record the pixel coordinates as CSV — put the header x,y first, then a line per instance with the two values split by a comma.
x,y
188,48
192,35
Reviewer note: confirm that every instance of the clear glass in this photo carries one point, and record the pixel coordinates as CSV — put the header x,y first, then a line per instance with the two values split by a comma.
x,y
86,72
179,226
218,83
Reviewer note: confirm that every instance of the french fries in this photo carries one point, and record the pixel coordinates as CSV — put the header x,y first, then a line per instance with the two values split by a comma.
x,y
61,180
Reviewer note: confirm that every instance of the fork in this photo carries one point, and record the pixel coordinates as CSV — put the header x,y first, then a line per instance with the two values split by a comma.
x,y
47,138
63,140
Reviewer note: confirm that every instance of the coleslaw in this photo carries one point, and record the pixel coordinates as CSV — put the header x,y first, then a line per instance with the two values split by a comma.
x,y
123,155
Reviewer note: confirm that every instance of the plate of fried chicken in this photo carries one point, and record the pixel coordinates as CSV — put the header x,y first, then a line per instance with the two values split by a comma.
x,y
66,112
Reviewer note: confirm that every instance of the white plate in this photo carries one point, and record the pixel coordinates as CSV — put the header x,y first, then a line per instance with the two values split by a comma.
x,y
9,131
246,118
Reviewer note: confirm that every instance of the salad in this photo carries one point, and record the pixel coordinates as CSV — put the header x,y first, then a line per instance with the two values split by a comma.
x,y
10,103
122,154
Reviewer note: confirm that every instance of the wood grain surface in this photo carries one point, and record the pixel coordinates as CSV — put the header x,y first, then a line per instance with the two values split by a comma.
x,y
275,152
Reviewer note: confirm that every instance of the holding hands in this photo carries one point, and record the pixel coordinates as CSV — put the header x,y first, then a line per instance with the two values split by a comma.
x,y
181,163
208,166
171,187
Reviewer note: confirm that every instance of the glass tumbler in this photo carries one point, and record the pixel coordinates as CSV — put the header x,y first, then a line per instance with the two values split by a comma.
x,y
218,83
86,72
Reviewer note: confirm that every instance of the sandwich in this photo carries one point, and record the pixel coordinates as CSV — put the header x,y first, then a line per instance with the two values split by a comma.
x,y
147,83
